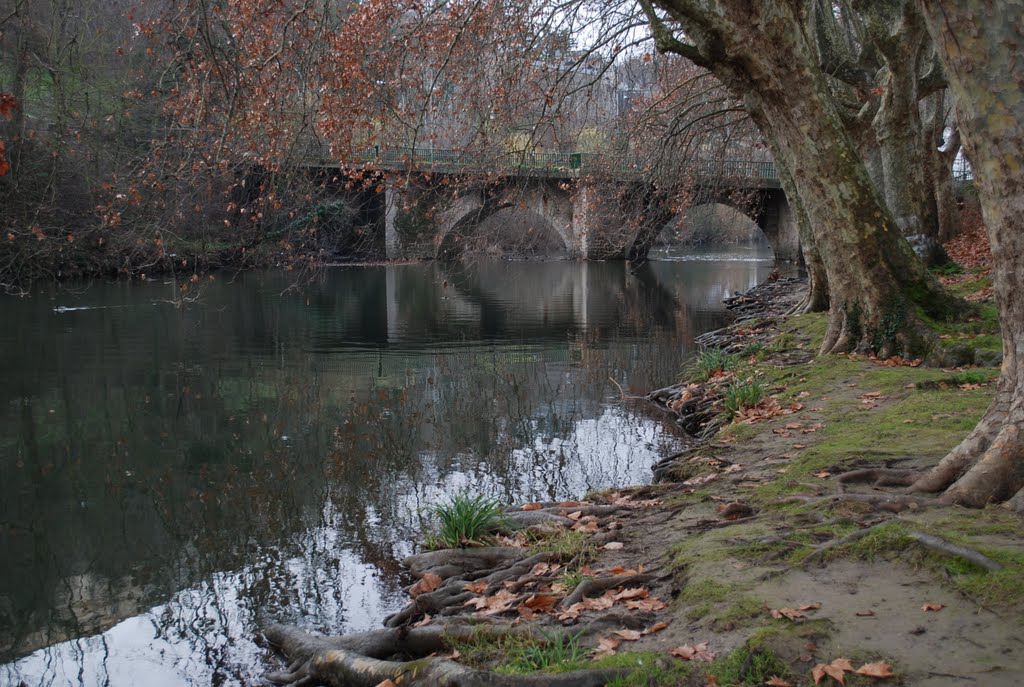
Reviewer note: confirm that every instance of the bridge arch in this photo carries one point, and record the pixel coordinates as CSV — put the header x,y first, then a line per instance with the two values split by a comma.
x,y
530,220
768,210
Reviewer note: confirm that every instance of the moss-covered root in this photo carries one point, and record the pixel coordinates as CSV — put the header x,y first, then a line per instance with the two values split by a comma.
x,y
324,660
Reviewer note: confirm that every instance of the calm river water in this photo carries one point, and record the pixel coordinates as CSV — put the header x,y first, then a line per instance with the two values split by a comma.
x,y
174,477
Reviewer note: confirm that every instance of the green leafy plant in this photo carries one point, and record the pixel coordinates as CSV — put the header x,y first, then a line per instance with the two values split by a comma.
x,y
711,363
743,394
466,520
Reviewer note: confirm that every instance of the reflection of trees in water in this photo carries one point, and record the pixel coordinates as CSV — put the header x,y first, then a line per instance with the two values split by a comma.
x,y
259,452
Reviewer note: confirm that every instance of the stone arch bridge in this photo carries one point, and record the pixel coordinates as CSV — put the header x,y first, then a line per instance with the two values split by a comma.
x,y
593,215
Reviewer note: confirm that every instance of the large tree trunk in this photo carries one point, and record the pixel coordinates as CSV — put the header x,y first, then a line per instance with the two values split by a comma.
x,y
762,53
940,151
981,46
899,33
817,292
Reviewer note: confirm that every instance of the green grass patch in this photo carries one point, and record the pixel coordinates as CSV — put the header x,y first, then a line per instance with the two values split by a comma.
x,y
710,363
551,653
465,521
517,653
567,545
1004,587
743,394
807,329
748,666
912,422
647,669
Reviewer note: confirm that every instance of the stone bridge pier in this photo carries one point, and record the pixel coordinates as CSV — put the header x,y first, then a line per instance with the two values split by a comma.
x,y
438,217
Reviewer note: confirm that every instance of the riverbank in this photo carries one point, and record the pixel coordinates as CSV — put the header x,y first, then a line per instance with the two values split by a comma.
x,y
781,548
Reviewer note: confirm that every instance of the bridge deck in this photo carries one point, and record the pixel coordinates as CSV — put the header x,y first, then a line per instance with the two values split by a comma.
x,y
755,173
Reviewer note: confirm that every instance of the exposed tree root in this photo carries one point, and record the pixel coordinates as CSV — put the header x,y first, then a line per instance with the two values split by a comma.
x,y
879,477
942,546
597,585
328,660
958,461
928,541
892,503
842,541
451,596
997,475
1016,504
988,466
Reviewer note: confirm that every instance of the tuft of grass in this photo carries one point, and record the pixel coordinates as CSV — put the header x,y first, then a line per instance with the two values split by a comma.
x,y
711,363
566,545
748,666
572,579
744,394
465,521
549,653
754,350
647,669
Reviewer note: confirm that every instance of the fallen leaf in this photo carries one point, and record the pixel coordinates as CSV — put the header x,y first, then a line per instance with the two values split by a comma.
x,y
540,602
810,607
794,425
531,506
619,570
387,683
478,587
933,607
518,541
613,546
544,569
879,669
428,583
631,593
492,605
575,515
776,681
799,446
865,614
589,526
425,620
790,613
650,604
835,673
629,635
573,504
656,627
699,652
835,670
607,646
824,474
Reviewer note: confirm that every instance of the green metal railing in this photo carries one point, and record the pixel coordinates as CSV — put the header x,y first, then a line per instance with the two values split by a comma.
x,y
542,162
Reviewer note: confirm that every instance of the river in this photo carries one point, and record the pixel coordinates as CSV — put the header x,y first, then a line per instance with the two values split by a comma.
x,y
177,474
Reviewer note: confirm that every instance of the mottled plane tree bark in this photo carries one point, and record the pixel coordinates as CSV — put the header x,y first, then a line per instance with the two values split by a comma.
x,y
883,69
980,43
764,54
